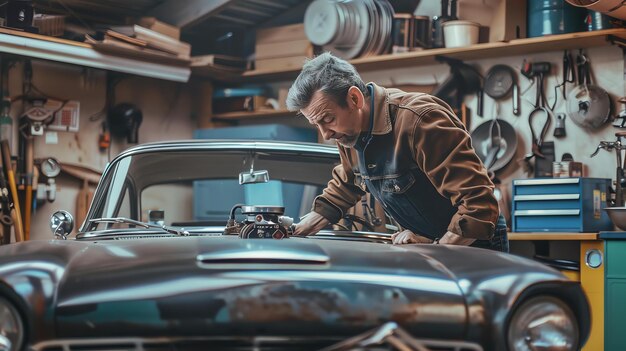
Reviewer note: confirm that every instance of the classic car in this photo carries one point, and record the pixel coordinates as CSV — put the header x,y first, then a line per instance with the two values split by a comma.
x,y
187,245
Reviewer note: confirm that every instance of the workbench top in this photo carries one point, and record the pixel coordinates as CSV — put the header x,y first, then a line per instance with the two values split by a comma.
x,y
554,236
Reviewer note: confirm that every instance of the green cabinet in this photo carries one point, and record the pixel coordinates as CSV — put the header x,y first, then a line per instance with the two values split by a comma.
x,y
615,290
614,336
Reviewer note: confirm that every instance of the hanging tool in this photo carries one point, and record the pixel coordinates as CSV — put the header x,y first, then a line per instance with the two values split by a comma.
x,y
31,123
588,105
5,204
15,213
620,119
538,71
620,177
49,169
559,129
569,73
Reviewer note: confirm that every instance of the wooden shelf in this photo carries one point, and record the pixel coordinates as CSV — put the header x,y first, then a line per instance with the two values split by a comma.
x,y
83,54
231,116
553,236
428,57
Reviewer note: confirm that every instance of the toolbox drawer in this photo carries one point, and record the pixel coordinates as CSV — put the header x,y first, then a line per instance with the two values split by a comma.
x,y
547,186
547,202
560,205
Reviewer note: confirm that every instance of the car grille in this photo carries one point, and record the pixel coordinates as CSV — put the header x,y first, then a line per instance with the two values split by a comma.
x,y
228,344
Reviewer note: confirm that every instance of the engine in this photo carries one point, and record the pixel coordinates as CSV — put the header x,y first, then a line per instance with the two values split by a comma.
x,y
260,222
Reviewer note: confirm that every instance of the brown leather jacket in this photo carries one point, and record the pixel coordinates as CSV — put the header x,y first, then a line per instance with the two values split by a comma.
x,y
420,164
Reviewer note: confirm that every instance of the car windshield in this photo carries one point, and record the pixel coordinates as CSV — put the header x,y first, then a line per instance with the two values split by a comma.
x,y
197,187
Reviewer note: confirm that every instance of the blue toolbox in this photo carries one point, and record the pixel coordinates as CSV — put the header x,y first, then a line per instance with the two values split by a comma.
x,y
560,205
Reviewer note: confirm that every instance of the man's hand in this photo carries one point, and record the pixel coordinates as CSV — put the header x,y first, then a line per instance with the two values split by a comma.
x,y
408,237
453,239
312,223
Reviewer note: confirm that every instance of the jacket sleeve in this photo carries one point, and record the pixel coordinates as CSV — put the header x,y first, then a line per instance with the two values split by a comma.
x,y
340,194
443,150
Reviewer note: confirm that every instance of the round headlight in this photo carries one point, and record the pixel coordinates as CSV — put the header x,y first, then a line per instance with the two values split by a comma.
x,y
11,327
543,323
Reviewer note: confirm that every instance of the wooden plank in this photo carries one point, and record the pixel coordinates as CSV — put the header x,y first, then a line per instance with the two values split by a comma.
x,y
553,236
284,49
254,114
281,34
429,57
43,37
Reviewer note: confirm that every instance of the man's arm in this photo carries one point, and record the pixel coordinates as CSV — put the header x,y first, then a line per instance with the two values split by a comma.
x,y
443,150
340,194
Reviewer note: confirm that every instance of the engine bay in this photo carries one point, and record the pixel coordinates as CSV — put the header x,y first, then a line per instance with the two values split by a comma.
x,y
260,222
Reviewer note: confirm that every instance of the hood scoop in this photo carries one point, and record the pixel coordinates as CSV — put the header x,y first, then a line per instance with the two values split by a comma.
x,y
264,254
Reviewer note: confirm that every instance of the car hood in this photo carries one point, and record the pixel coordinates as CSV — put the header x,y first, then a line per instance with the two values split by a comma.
x,y
186,286
215,284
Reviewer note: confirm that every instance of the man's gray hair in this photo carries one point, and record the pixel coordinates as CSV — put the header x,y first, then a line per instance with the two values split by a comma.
x,y
327,73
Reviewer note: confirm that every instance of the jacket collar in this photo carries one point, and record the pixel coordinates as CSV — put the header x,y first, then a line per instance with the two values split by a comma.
x,y
382,120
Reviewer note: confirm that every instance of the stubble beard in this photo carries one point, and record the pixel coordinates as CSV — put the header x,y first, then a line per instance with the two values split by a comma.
x,y
348,141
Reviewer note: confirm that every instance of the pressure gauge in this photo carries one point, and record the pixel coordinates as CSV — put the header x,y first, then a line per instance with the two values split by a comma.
x,y
50,167
593,258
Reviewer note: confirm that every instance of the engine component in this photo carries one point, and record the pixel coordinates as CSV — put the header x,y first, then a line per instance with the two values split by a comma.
x,y
261,222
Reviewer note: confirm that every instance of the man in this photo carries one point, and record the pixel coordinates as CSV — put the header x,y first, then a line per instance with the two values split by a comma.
x,y
407,149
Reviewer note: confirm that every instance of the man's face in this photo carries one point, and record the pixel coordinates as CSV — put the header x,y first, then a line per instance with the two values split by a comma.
x,y
332,120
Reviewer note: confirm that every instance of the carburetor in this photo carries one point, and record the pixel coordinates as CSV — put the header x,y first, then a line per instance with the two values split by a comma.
x,y
261,222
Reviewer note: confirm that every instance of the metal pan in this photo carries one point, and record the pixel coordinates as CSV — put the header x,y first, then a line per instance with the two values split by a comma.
x,y
482,140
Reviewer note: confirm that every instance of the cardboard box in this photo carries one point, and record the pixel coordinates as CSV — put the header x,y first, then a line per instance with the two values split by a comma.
x,y
284,49
280,34
509,21
280,63
505,19
238,104
160,27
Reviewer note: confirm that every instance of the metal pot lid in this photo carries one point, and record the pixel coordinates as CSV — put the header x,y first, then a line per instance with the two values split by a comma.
x,y
589,106
321,22
350,28
499,81
357,25
481,140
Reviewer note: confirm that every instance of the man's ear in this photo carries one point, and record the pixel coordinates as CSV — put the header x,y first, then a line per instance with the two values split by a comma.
x,y
355,98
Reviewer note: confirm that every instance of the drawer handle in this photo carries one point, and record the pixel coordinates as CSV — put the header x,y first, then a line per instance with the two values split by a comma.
x,y
547,213
546,181
546,197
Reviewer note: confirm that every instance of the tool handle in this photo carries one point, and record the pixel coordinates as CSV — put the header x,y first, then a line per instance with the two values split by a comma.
x,y
6,161
516,100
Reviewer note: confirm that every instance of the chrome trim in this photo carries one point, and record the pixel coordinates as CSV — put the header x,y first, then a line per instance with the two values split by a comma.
x,y
113,233
589,253
391,334
546,197
352,234
547,212
399,337
552,181
5,343
264,256
226,145
254,209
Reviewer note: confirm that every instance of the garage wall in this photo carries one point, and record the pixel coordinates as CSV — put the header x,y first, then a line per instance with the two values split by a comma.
x,y
168,115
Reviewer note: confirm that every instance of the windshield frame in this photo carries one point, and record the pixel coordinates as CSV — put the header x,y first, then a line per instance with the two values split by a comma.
x,y
101,195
